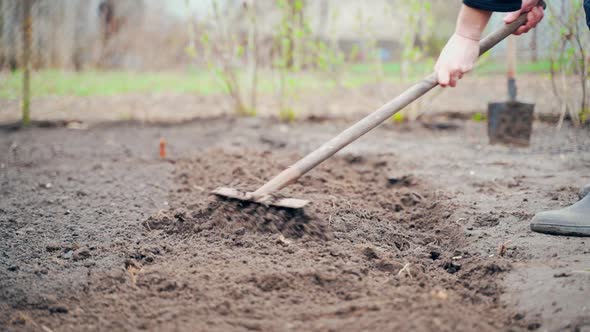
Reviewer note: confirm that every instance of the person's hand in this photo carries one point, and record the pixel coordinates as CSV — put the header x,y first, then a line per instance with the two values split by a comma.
x,y
534,16
457,58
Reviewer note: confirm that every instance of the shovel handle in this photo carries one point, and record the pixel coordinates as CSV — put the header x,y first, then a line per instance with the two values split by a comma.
x,y
511,57
374,119
511,67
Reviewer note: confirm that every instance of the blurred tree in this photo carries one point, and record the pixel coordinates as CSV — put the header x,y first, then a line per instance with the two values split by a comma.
x,y
293,23
11,12
295,45
251,10
418,28
106,11
569,57
2,43
27,33
120,25
328,56
224,48
81,33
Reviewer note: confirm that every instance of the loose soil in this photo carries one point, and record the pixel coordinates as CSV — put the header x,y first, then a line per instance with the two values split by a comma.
x,y
411,228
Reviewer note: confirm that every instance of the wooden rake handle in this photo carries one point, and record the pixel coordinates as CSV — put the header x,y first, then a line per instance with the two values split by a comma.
x,y
372,120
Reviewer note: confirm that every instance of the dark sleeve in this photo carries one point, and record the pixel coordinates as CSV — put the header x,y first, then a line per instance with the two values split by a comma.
x,y
494,5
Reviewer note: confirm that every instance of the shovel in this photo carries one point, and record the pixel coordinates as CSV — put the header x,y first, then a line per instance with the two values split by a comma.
x,y
265,194
510,122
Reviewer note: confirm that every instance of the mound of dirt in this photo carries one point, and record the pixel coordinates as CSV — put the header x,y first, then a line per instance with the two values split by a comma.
x,y
236,217
351,199
375,243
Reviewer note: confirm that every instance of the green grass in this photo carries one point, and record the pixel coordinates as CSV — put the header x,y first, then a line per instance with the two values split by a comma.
x,y
109,83
539,67
479,117
101,83
489,67
393,68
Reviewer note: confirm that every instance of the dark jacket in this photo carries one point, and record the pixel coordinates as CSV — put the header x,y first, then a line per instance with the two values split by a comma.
x,y
495,5
511,5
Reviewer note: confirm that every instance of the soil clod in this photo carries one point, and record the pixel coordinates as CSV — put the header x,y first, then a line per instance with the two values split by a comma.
x,y
404,180
451,267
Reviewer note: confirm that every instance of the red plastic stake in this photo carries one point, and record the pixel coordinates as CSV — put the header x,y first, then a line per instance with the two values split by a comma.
x,y
162,148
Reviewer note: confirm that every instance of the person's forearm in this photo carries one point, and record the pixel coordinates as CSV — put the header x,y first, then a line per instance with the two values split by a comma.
x,y
472,22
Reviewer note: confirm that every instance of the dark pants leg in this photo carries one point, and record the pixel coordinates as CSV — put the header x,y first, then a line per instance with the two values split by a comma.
x,y
587,9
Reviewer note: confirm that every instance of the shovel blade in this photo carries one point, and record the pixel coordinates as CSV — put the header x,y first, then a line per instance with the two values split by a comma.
x,y
510,123
288,203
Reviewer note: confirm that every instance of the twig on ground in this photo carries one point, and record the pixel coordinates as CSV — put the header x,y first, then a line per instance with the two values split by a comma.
x,y
46,329
503,247
405,269
420,197
283,241
132,272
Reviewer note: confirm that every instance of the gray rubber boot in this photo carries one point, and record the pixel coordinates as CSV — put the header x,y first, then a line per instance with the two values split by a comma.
x,y
573,220
585,191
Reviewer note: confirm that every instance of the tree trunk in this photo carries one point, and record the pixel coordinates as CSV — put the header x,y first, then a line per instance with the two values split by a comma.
x,y
2,41
534,50
253,55
81,52
292,12
13,11
27,25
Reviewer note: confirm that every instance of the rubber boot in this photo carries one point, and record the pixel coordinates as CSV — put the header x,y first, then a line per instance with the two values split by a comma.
x,y
573,220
